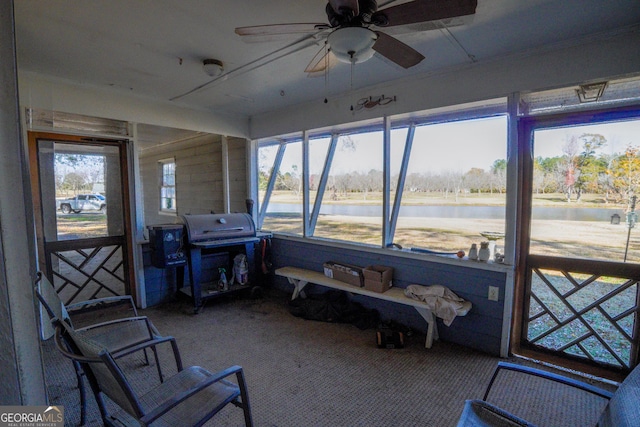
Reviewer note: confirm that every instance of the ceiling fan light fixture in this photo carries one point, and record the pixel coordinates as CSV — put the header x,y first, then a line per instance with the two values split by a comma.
x,y
352,44
213,67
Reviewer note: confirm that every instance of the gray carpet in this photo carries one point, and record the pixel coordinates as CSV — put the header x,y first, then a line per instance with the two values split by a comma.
x,y
307,373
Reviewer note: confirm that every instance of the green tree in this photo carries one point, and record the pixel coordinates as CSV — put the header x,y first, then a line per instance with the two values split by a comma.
x,y
263,179
289,181
498,178
589,167
548,175
605,180
626,173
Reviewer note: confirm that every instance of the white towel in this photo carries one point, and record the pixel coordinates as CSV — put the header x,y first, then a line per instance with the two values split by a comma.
x,y
441,300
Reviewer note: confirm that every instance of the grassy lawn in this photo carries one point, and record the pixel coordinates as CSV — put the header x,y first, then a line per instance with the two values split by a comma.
x,y
581,239
81,226
439,199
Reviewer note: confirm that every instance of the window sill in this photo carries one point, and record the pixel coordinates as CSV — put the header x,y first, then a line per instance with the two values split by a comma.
x,y
402,253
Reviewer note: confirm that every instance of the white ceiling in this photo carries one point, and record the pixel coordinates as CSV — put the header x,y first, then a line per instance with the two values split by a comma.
x,y
155,48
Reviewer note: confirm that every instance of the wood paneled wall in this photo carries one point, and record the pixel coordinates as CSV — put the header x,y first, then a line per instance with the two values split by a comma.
x,y
199,179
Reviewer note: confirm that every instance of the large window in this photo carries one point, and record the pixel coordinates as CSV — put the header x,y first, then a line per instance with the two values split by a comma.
x,y
442,187
352,199
280,186
586,179
455,186
168,186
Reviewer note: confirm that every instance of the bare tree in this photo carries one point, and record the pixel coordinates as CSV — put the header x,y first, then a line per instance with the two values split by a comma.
x,y
78,172
74,182
476,179
499,176
569,167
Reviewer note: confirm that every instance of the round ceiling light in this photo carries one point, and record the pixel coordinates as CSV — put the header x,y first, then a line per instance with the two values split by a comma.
x,y
352,44
212,67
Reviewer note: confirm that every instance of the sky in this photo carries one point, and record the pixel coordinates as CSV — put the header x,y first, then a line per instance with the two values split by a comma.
x,y
449,147
619,136
435,148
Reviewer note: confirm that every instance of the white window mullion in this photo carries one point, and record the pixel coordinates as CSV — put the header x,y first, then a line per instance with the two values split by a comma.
x,y
322,184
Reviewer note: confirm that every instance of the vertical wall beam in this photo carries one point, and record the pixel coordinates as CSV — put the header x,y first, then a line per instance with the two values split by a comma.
x,y
137,215
20,354
513,152
511,219
252,182
226,196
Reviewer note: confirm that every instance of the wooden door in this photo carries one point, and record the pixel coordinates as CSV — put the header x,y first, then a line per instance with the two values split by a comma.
x,y
82,215
579,273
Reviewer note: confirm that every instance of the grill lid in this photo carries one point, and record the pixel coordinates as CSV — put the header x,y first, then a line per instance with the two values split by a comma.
x,y
205,227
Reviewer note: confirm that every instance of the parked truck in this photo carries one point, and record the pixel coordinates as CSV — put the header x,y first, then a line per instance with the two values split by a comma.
x,y
83,202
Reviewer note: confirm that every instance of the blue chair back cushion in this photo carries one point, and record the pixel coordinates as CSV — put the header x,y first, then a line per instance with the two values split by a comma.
x,y
624,407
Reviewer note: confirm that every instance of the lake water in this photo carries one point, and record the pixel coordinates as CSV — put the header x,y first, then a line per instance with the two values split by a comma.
x,y
448,211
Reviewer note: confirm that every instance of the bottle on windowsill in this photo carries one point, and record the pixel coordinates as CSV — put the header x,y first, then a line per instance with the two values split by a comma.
x,y
473,252
484,253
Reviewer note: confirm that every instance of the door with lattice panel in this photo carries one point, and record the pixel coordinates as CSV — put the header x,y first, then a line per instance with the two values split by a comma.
x,y
578,285
82,209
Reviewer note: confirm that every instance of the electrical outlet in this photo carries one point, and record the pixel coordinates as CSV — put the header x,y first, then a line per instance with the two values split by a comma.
x,y
494,292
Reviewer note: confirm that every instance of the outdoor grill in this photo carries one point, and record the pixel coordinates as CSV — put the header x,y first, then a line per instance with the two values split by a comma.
x,y
209,230
217,233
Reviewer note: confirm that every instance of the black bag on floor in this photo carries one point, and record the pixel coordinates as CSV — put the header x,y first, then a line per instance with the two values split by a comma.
x,y
334,306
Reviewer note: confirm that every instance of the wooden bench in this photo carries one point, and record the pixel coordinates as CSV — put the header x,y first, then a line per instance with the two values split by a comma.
x,y
299,278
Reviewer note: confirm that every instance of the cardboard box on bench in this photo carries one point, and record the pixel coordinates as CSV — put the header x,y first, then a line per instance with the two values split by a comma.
x,y
377,278
351,274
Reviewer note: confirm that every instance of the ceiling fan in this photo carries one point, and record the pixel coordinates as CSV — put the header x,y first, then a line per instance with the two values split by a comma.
x,y
352,34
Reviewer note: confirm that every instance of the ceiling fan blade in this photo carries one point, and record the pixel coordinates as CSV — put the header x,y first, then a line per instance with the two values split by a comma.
x,y
423,10
396,51
340,5
322,61
279,29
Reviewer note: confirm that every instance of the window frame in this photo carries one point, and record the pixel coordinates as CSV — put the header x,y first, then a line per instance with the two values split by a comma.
x,y
163,185
390,205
